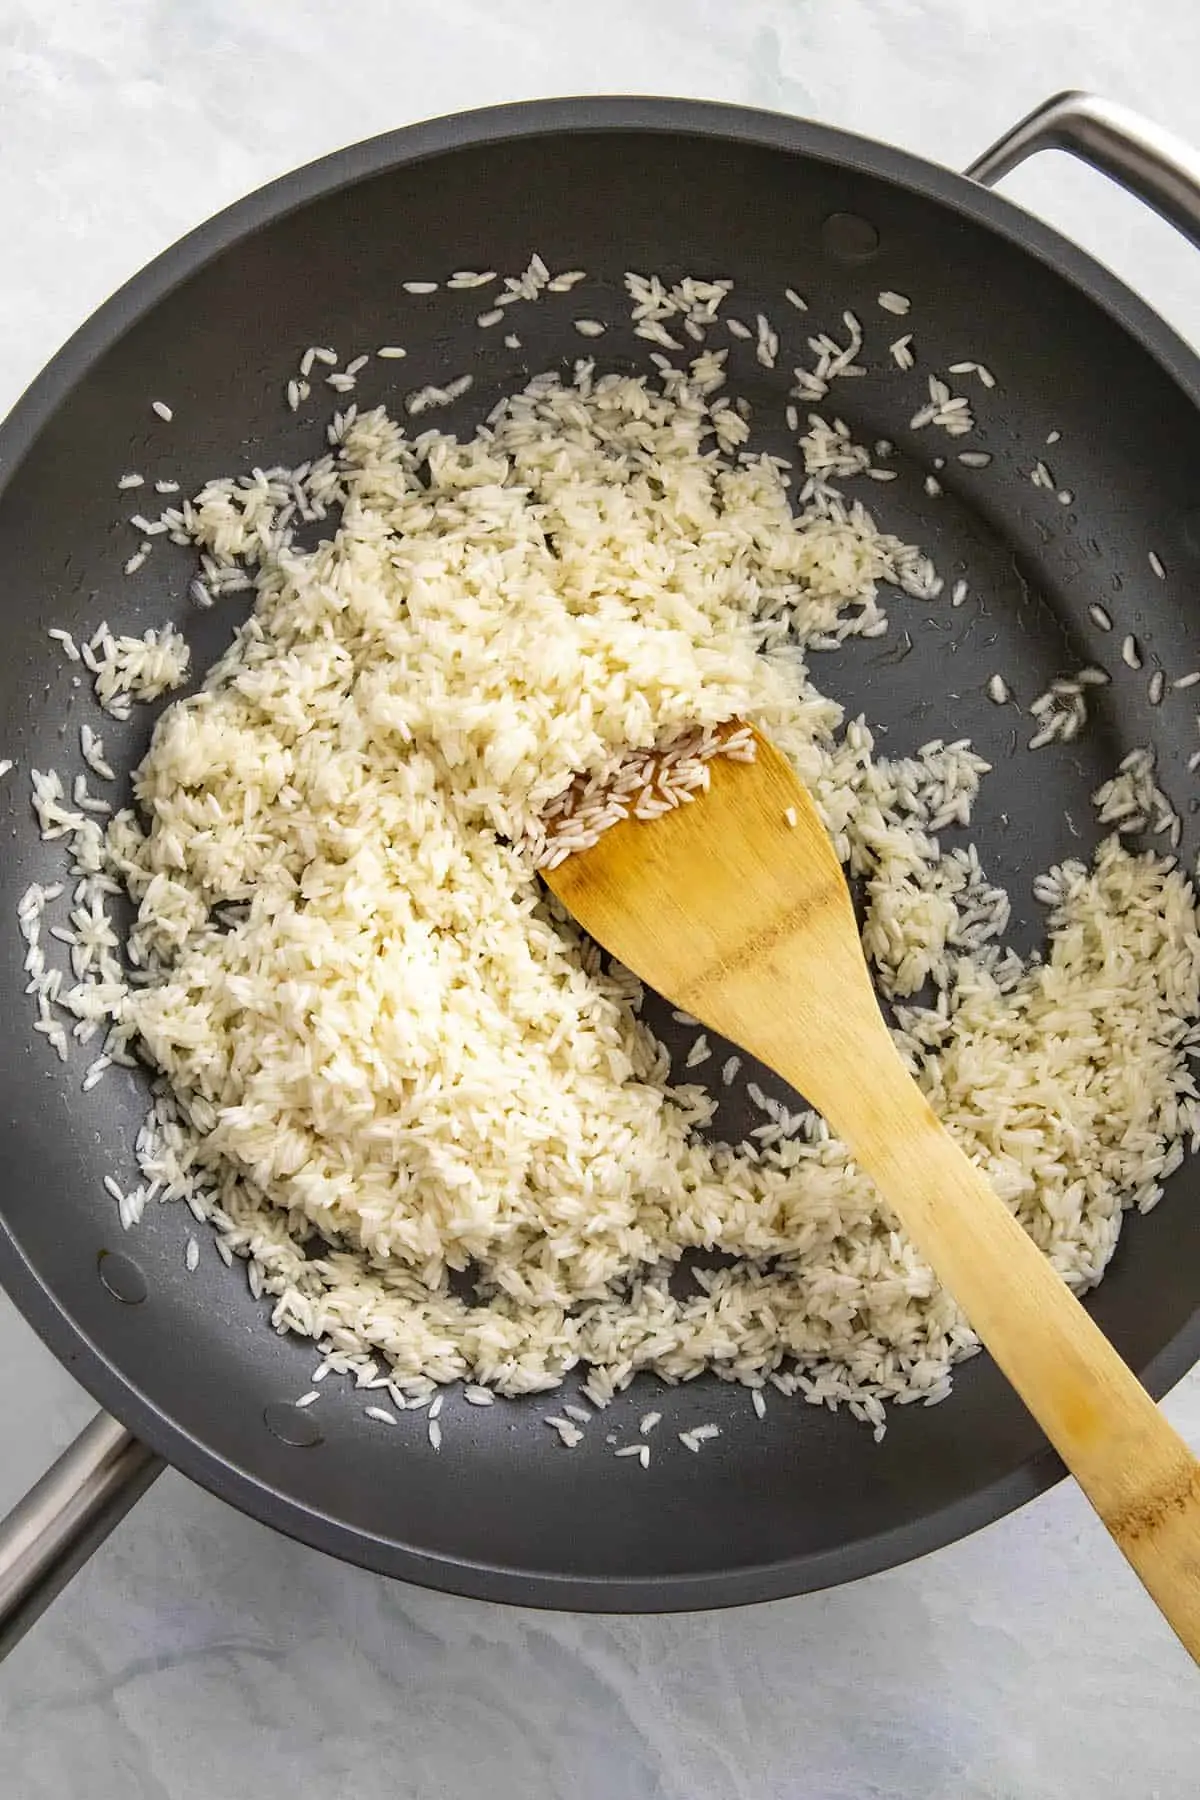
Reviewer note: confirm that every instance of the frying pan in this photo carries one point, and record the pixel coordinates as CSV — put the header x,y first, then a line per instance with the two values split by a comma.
x,y
185,1364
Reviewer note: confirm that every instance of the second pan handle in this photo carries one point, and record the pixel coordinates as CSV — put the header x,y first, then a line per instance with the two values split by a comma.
x,y
1152,164
52,1531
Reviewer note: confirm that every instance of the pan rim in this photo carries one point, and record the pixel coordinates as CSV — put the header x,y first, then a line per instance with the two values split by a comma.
x,y
339,172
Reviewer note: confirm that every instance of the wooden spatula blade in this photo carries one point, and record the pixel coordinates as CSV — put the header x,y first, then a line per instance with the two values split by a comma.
x,y
710,902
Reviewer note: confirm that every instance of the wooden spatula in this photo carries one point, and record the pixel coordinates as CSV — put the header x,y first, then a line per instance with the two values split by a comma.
x,y
742,917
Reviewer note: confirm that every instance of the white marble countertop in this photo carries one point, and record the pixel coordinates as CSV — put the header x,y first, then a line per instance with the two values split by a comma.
x,y
199,1654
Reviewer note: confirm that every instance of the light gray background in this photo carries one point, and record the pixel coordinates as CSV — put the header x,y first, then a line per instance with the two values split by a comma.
x,y
200,1655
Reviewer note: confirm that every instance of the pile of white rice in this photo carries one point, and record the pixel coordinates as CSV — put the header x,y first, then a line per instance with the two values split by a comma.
x,y
394,1077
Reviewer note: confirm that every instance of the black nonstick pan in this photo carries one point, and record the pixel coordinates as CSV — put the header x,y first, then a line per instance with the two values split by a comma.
x,y
185,1364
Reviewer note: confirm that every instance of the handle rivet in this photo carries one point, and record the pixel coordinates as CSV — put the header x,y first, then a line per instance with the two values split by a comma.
x,y
291,1425
122,1278
848,238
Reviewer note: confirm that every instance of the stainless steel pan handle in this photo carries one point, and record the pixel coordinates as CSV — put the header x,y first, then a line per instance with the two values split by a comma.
x,y
51,1532
1154,165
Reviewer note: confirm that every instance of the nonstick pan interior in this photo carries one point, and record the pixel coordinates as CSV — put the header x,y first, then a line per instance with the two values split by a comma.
x,y
189,1361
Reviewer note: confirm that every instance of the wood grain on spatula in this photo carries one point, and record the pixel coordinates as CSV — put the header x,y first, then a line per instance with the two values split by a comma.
x,y
742,917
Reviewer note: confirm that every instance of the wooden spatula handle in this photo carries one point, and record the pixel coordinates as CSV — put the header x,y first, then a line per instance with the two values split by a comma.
x,y
1137,1472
